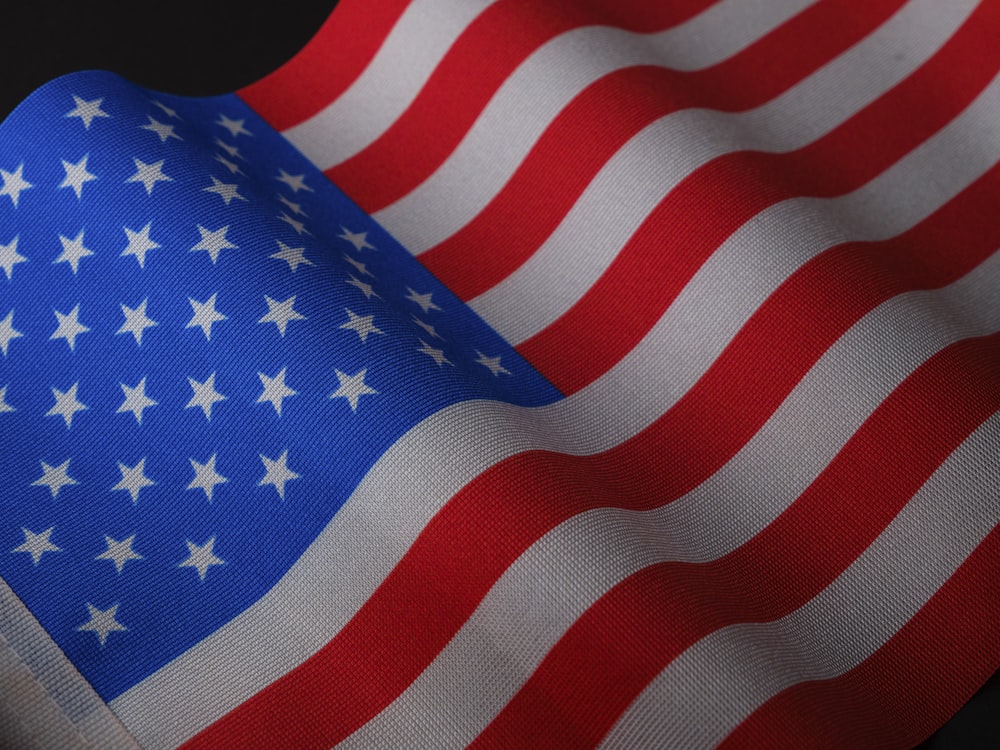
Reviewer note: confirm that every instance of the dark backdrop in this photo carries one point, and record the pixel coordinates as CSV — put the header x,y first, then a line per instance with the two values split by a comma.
x,y
199,49
216,47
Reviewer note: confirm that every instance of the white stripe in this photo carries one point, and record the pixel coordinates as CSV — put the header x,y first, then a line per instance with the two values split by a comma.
x,y
540,89
364,546
420,39
487,661
638,177
758,258
737,669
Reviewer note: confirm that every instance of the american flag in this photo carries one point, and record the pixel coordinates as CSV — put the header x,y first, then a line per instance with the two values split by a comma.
x,y
657,406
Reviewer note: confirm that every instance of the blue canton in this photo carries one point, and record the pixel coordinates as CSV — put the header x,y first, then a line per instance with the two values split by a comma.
x,y
204,346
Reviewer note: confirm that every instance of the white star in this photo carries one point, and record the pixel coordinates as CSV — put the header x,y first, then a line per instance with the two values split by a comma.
x,y
295,181
291,255
172,113
136,321
233,167
149,174
205,476
139,244
431,330
359,266
55,477
492,364
162,129
201,558
205,315
9,257
424,300
4,406
360,324
73,250
204,395
14,184
295,208
87,111
136,400
69,327
358,239
37,545
133,479
280,313
274,390
436,354
298,226
235,127
231,150
225,190
76,175
102,622
352,387
119,552
7,332
277,473
66,405
213,242
366,289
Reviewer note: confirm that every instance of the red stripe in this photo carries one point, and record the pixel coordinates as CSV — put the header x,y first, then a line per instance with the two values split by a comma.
x,y
697,217
489,524
909,687
327,65
606,115
618,646
467,78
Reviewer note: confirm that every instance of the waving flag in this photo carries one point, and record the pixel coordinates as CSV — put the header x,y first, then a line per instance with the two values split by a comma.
x,y
680,429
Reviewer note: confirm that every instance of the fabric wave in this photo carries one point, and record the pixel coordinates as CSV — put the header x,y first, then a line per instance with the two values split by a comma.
x,y
754,246
192,387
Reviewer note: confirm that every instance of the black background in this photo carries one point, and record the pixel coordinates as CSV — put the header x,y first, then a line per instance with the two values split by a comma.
x,y
214,48
198,49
